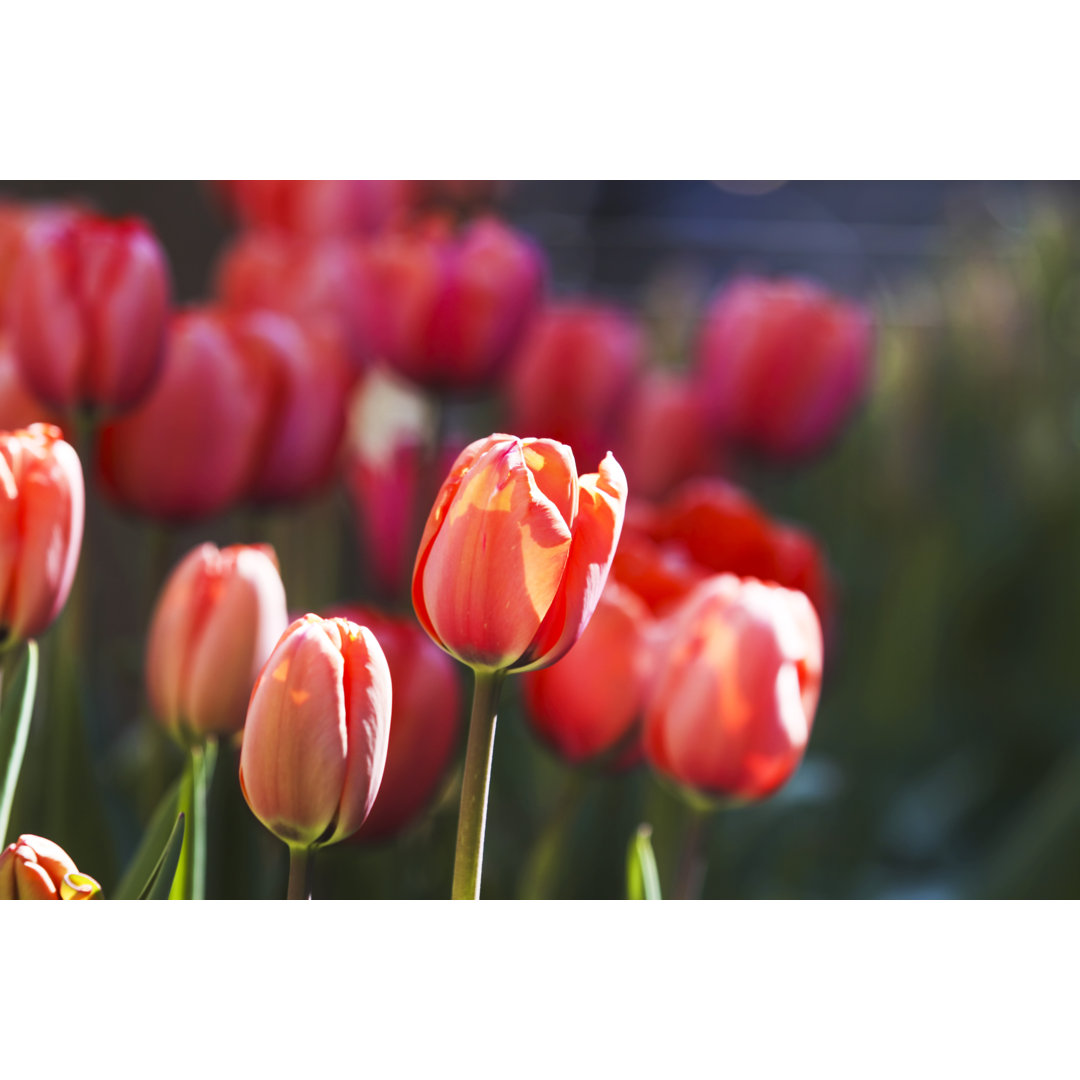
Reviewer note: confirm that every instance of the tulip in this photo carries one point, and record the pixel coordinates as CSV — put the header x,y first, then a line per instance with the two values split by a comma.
x,y
316,736
217,619
572,374
33,868
511,564
736,690
41,526
446,311
425,721
782,364
88,308
589,703
18,406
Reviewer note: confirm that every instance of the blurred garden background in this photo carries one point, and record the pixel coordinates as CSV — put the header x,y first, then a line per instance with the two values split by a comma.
x,y
945,754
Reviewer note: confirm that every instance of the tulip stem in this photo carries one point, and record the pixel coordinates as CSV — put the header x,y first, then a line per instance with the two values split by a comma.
x,y
299,873
472,817
203,758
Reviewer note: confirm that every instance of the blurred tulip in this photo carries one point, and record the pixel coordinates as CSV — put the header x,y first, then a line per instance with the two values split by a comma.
x,y
18,406
218,617
782,364
661,574
33,868
316,283
572,374
736,690
317,731
516,551
16,220
88,308
447,311
41,526
589,702
425,723
313,208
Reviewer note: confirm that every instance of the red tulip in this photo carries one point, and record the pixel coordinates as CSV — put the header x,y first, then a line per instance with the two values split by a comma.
x,y
33,868
218,616
783,363
314,208
88,308
41,526
589,702
736,690
572,374
425,721
516,551
448,311
16,220
18,406
317,730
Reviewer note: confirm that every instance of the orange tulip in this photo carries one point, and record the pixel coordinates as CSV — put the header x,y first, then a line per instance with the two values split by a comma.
x,y
41,525
737,689
216,621
317,731
516,551
34,868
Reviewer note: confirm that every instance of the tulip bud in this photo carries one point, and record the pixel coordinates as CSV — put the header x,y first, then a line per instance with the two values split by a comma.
x,y
448,311
317,730
41,526
33,868
572,374
736,690
782,364
515,552
88,310
425,721
18,406
589,702
215,623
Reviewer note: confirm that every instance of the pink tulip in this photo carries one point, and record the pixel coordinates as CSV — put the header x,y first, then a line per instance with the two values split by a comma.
x,y
33,868
218,616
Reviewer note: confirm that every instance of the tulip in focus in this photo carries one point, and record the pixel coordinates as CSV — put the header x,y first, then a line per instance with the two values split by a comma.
x,y
33,868
425,721
782,364
41,526
88,308
218,617
736,691
516,551
589,703
317,731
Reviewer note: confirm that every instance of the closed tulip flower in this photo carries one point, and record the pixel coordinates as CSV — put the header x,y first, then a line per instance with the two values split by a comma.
x,y
783,364
41,526
516,551
33,868
736,690
316,737
18,406
589,703
88,309
216,621
425,721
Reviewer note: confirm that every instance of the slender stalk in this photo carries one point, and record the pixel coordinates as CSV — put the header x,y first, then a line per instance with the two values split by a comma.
x,y
15,733
469,854
299,874
203,759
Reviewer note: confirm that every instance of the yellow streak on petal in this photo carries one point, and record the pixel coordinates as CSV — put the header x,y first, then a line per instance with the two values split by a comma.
x,y
281,672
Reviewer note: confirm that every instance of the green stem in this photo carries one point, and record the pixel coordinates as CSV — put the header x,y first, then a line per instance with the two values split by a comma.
x,y
203,759
472,817
15,723
299,874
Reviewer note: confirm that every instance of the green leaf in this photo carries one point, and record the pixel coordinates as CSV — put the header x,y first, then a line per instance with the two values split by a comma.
x,y
153,847
17,707
642,878
157,888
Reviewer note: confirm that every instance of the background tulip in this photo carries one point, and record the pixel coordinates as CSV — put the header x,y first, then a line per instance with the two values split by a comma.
x,y
215,623
736,690
41,527
782,364
425,721
317,731
516,551
88,309
33,868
